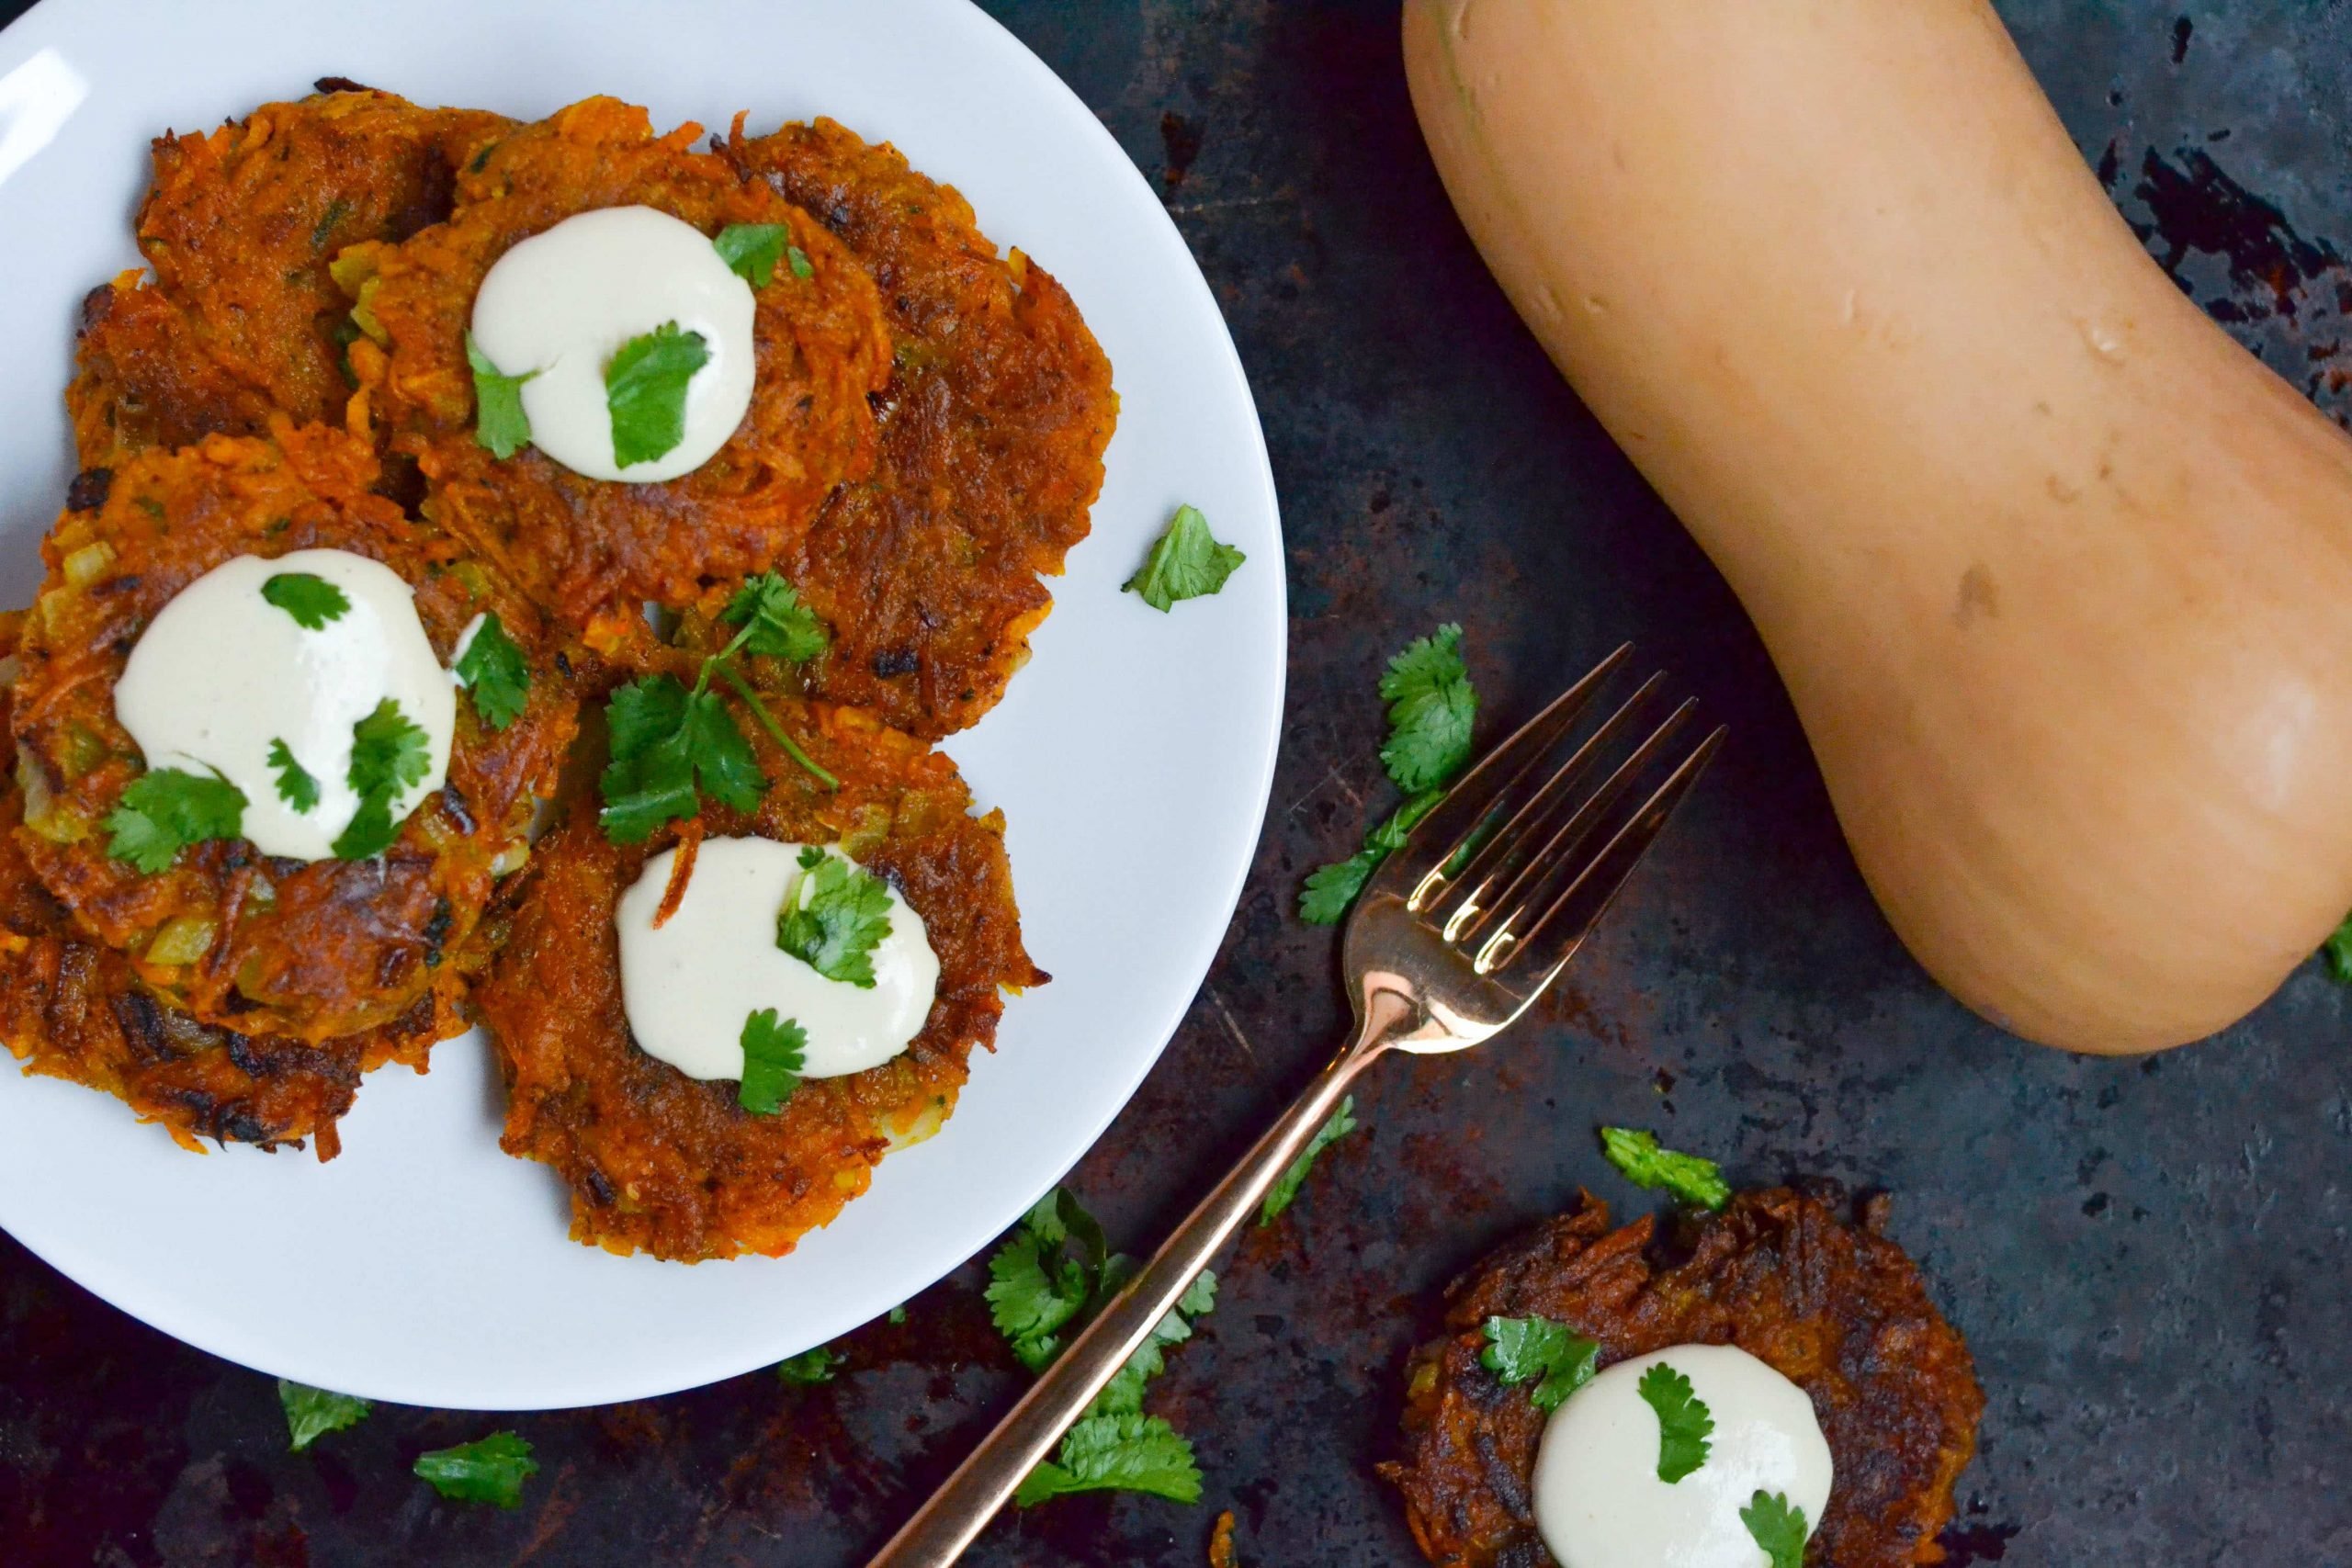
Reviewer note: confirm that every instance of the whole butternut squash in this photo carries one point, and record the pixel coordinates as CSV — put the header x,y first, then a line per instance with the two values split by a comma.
x,y
2059,577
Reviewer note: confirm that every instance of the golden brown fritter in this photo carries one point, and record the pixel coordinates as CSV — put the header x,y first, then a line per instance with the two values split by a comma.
x,y
241,321
1835,1308
311,950
594,550
662,1163
993,426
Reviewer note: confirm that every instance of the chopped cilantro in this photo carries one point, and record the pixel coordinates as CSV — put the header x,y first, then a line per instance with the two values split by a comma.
x,y
389,755
500,423
2339,953
1776,1527
834,917
494,674
312,599
752,250
898,1315
645,389
1129,1452
1185,562
492,1470
313,1412
1684,1422
296,786
1430,706
774,621
1557,1357
164,810
1637,1155
773,1055
810,1367
1285,1187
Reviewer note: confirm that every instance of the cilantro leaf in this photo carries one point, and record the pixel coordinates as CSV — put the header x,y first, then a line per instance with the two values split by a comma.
x,y
312,599
1185,562
752,250
1637,1155
834,917
774,621
1431,707
645,389
1561,1359
1776,1527
500,423
1123,1393
1125,1452
1034,1290
1684,1422
724,766
666,743
798,259
773,1055
164,811
492,1470
1331,889
1285,1187
296,785
810,1367
2339,953
389,755
494,674
313,1412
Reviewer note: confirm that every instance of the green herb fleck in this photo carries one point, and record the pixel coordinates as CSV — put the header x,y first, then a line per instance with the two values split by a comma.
x,y
2339,953
296,786
810,1367
389,755
752,250
494,674
1776,1527
1557,1357
500,423
1699,1182
312,601
834,917
1285,1187
492,1470
798,259
1684,1422
645,389
164,810
1185,562
313,1412
337,210
1128,1452
774,1055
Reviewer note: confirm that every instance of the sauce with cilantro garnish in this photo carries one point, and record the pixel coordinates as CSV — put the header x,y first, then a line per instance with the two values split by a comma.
x,y
595,314
1599,1499
270,674
688,984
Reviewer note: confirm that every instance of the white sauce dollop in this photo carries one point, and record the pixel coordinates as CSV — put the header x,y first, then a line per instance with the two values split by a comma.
x,y
221,672
688,986
562,304
1598,1503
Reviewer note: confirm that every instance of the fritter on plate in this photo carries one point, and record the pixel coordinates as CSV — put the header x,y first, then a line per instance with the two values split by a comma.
x,y
1835,1308
241,321
662,1163
308,949
594,550
992,430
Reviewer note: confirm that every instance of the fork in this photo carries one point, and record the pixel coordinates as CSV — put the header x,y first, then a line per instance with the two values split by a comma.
x,y
1451,940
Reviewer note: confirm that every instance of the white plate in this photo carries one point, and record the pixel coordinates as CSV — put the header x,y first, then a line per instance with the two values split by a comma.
x,y
1133,756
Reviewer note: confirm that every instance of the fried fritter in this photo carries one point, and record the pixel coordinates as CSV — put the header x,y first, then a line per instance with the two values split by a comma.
x,y
592,551
311,951
662,1163
1837,1309
241,321
992,430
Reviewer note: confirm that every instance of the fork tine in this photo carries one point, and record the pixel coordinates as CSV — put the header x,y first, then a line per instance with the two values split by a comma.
x,y
1596,883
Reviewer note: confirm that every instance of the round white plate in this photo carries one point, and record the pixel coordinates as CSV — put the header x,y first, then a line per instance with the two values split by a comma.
x,y
1133,756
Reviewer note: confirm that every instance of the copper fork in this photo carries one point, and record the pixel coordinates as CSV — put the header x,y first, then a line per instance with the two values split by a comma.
x,y
1451,940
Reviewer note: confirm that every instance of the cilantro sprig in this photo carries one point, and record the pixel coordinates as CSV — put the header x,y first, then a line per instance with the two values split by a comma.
x,y
1185,562
645,391
164,810
1284,1192
774,1055
1637,1156
1560,1359
1048,1271
1117,1453
500,424
313,1412
1776,1526
494,674
834,917
491,1470
1431,708
312,599
1684,1422
389,755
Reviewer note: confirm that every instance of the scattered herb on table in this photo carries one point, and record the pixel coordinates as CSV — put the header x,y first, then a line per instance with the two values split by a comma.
x,y
2338,952
810,1367
645,391
494,674
164,811
313,1412
1776,1527
1684,1422
296,784
1284,1190
774,1055
1637,1155
389,755
1117,1453
1186,562
1560,1359
500,423
834,917
312,599
492,1470
1048,1271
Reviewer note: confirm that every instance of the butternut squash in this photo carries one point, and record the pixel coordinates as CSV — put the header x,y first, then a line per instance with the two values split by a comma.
x,y
2059,577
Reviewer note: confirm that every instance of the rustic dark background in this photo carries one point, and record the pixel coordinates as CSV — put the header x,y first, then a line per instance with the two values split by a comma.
x,y
2149,1257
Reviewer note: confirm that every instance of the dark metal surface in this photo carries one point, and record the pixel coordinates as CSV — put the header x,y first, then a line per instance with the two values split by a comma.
x,y
2149,1257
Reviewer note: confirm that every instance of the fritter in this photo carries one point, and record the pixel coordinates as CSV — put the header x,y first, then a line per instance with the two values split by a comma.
x,y
241,321
662,1163
1837,1309
592,551
311,951
992,429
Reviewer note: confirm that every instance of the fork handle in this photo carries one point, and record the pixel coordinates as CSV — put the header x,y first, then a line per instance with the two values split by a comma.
x,y
952,1519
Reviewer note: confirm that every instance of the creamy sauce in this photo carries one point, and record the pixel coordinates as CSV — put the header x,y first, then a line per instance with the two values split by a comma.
x,y
563,302
688,986
1599,1502
221,672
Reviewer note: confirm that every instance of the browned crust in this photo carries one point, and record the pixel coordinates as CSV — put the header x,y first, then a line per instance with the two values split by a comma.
x,y
1836,1308
658,1162
993,426
310,950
